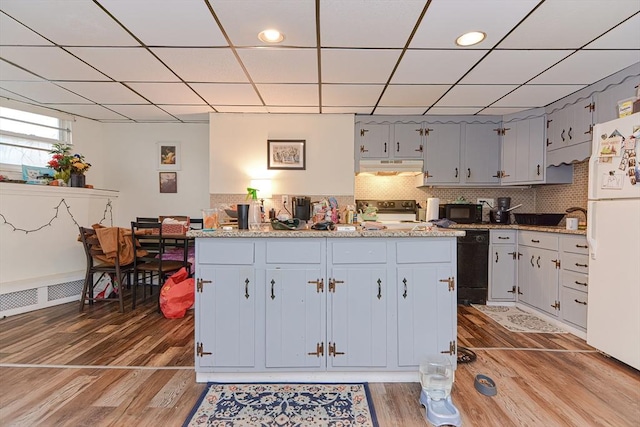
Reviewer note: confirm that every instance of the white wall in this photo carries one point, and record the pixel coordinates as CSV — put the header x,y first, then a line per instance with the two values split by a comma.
x,y
238,152
129,165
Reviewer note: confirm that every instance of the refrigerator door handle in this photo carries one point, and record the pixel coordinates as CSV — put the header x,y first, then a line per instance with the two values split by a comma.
x,y
591,216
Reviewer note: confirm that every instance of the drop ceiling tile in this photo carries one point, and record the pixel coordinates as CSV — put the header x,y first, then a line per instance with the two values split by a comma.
x,y
533,96
203,64
104,92
358,65
243,20
51,63
566,24
241,109
14,33
14,96
125,64
189,113
281,65
90,111
346,110
442,111
513,66
10,72
412,95
141,112
293,110
587,67
43,92
227,94
168,23
446,20
365,23
624,36
400,110
344,95
474,95
289,94
69,22
435,66
166,93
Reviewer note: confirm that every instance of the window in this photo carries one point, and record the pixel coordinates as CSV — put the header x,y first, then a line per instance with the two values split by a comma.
x,y
26,138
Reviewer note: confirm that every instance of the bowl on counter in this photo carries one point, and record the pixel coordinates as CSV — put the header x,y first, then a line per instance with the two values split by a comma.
x,y
545,219
232,213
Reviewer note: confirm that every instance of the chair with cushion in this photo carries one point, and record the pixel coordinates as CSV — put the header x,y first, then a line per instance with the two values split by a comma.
x,y
104,262
151,269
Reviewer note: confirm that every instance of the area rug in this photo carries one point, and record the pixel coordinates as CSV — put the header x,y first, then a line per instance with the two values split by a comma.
x,y
283,405
516,320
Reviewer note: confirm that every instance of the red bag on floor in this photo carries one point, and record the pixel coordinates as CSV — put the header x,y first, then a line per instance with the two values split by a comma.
x,y
177,295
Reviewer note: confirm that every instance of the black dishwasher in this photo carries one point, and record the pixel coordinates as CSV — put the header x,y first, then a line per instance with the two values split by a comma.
x,y
473,267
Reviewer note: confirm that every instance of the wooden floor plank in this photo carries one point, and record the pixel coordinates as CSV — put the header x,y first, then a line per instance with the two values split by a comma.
x,y
542,379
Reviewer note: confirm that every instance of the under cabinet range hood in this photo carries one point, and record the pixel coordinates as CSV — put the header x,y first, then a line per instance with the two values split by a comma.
x,y
390,167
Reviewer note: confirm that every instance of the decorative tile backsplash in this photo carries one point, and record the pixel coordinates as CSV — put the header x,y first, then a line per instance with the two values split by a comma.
x,y
554,198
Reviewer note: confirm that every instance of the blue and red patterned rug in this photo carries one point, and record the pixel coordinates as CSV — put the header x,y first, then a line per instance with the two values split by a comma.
x,y
283,405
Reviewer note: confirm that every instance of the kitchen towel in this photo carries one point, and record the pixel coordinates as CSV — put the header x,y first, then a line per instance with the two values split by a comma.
x,y
433,203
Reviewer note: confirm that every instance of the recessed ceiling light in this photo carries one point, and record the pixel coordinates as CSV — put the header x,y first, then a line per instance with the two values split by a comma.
x,y
271,36
470,38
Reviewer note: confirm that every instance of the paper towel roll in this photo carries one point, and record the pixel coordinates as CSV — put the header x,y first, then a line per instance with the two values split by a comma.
x,y
433,204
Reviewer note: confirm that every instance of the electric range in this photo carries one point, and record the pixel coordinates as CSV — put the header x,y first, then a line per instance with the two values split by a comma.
x,y
394,214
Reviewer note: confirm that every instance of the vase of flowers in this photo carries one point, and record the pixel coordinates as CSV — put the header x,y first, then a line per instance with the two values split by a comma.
x,y
68,168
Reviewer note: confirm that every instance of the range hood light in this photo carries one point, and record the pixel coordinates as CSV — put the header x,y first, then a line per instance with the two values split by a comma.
x,y
390,167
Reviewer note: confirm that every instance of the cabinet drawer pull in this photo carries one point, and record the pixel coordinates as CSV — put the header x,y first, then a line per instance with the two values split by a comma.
x,y
580,283
535,241
582,265
404,294
504,238
582,246
273,295
580,302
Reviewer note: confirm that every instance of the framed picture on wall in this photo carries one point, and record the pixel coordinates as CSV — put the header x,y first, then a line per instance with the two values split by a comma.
x,y
168,182
288,154
168,156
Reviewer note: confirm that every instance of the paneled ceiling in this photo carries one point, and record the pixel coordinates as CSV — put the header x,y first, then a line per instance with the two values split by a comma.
x,y
178,60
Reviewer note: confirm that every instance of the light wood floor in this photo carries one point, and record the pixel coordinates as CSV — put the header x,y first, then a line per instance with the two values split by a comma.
x,y
102,368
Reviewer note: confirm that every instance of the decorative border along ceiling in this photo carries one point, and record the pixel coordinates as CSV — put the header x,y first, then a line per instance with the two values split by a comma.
x,y
179,60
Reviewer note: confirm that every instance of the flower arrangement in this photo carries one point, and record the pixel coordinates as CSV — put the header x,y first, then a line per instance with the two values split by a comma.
x,y
63,162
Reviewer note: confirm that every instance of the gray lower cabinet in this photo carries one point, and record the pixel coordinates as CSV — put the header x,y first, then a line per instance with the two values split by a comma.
x,y
502,265
574,280
538,269
323,304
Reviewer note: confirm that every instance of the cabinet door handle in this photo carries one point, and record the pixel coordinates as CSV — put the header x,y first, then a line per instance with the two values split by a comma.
x,y
580,283
246,288
582,265
562,136
532,257
468,172
538,170
398,148
549,142
580,302
404,294
569,133
538,262
456,173
379,288
496,256
385,147
273,295
582,246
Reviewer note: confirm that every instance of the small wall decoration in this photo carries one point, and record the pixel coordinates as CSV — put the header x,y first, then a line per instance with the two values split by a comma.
x,y
287,154
168,156
168,182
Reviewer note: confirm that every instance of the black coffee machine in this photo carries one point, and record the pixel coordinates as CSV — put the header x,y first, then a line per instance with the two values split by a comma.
x,y
501,213
301,207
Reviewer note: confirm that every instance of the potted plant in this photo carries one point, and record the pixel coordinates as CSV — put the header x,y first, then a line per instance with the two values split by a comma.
x,y
68,167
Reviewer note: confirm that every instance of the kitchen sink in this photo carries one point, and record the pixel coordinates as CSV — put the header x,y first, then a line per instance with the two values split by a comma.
x,y
545,219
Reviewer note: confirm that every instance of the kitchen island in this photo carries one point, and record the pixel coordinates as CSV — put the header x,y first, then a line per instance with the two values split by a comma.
x,y
323,305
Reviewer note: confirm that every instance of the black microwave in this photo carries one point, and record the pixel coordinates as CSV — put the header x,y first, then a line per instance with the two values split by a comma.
x,y
462,213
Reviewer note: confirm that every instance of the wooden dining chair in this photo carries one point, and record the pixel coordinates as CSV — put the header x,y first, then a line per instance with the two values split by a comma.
x,y
151,269
96,264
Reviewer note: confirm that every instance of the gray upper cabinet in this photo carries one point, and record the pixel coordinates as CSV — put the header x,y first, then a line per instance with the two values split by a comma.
x,y
372,140
481,153
408,140
607,100
389,140
442,164
569,133
523,152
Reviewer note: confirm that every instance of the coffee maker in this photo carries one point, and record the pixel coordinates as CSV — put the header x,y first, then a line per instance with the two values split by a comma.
x,y
301,207
501,214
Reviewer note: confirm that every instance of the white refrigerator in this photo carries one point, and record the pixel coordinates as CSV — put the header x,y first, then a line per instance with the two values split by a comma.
x,y
613,235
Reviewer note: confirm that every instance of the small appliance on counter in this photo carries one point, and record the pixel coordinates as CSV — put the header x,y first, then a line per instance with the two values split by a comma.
x,y
301,207
500,214
393,214
462,213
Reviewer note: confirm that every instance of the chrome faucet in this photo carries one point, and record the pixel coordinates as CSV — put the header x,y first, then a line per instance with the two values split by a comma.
x,y
584,211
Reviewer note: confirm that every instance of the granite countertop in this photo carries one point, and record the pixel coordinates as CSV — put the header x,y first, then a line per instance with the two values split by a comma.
x,y
268,232
544,228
